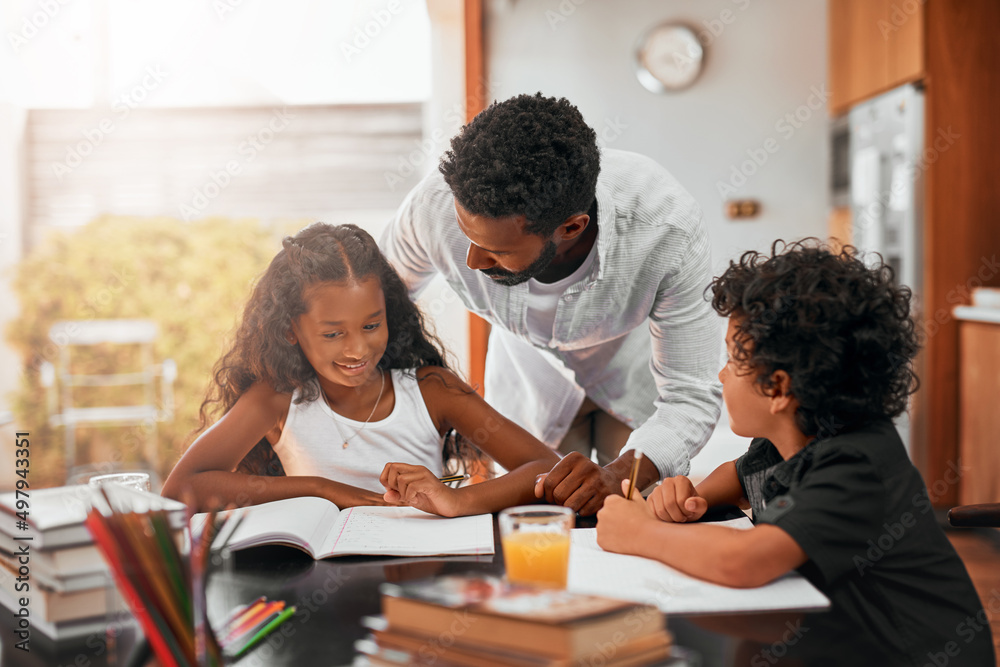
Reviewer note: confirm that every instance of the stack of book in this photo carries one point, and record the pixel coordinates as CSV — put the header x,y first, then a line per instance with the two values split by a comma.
x,y
482,622
49,560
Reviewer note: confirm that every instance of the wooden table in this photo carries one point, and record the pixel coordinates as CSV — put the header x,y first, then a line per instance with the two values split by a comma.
x,y
332,595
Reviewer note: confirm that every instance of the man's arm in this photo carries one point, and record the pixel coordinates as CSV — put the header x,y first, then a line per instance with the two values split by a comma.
x,y
686,345
686,349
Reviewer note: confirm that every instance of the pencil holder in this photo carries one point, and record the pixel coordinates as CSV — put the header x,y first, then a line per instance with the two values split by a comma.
x,y
162,587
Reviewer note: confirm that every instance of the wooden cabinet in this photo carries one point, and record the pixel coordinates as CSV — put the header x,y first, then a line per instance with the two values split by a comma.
x,y
979,421
874,45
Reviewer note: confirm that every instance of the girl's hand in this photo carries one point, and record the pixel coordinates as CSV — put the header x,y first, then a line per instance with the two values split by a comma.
x,y
622,523
344,496
418,487
676,500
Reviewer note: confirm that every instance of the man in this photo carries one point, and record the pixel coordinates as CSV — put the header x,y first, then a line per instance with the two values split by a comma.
x,y
591,269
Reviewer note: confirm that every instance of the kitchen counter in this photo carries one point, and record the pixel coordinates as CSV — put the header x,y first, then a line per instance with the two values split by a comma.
x,y
977,314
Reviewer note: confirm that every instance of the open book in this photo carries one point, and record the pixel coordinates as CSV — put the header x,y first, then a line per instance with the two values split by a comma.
x,y
321,529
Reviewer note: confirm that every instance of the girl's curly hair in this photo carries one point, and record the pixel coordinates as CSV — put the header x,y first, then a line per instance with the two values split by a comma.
x,y
260,352
839,328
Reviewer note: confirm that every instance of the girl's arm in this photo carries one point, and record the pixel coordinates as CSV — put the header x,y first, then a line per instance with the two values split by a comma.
x,y
205,476
719,554
453,404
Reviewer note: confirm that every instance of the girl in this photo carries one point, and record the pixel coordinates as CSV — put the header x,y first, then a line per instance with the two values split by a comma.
x,y
333,380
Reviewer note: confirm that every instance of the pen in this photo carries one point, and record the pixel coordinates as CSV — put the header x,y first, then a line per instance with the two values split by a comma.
x,y
637,454
453,478
266,630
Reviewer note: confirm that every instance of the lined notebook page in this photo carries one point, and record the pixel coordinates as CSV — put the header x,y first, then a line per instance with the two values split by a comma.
x,y
404,531
598,572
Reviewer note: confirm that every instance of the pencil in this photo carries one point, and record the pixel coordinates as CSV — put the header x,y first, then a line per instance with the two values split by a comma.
x,y
244,614
266,630
239,610
250,622
637,454
453,478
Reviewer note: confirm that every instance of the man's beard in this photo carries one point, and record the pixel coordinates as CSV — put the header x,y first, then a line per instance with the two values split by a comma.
x,y
511,278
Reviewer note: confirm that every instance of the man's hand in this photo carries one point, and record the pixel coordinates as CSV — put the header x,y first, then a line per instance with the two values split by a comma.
x,y
622,524
578,483
677,500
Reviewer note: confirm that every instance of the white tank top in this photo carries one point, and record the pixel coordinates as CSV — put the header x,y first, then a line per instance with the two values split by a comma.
x,y
310,444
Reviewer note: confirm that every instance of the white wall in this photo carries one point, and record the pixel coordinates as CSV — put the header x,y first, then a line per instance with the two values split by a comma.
x,y
765,59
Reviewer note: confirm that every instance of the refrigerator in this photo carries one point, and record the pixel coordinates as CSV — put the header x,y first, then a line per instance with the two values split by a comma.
x,y
887,162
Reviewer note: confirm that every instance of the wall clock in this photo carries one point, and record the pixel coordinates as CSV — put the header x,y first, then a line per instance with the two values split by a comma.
x,y
668,58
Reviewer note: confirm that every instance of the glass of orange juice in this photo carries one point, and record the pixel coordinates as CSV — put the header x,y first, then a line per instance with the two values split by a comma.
x,y
535,541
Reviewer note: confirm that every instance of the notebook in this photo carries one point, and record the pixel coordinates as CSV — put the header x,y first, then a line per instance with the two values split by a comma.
x,y
322,530
595,571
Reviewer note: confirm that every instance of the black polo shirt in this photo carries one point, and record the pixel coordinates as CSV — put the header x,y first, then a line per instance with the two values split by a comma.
x,y
859,509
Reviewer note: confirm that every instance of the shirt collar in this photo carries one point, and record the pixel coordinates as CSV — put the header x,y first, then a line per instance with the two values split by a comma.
x,y
606,231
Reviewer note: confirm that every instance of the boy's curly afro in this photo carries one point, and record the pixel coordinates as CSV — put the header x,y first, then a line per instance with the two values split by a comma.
x,y
840,329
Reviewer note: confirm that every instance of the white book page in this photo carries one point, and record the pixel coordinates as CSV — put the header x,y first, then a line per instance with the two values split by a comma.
x,y
303,522
595,571
404,531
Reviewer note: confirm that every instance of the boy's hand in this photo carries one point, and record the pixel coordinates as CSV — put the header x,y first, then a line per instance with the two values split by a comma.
x,y
676,500
418,487
621,523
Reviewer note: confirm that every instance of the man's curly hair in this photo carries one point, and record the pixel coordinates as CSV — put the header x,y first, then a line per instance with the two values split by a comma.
x,y
529,155
840,329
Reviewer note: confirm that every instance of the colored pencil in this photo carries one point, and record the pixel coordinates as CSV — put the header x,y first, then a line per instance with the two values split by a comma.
x,y
266,630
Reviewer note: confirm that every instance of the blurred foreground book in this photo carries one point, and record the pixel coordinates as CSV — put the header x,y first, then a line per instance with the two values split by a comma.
x,y
482,622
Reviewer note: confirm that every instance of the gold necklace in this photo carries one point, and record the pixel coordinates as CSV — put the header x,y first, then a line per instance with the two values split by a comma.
x,y
336,422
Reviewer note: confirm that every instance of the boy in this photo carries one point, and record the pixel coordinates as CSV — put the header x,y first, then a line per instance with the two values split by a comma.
x,y
820,361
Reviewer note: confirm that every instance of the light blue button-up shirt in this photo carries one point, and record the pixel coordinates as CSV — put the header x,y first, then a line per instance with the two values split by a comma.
x,y
636,334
